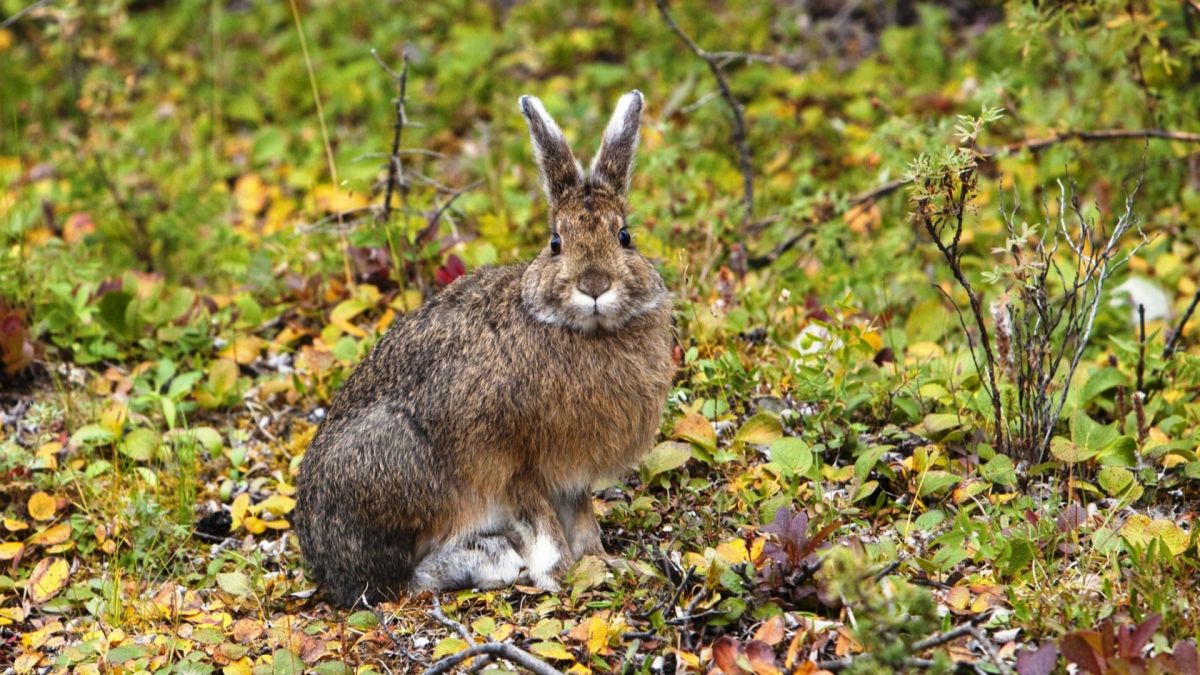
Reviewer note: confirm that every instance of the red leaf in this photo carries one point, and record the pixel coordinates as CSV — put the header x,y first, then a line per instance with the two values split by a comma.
x,y
1040,662
1185,658
725,651
453,269
761,656
1080,648
1142,634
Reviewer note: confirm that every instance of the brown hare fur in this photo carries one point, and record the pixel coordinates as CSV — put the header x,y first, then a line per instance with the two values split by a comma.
x,y
462,450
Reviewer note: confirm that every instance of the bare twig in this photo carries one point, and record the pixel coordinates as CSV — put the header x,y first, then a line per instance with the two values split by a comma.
x,y
395,169
714,60
436,215
488,650
1177,333
938,640
497,650
1093,137
446,621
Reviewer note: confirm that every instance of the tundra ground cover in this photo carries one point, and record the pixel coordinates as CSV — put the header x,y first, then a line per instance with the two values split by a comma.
x,y
195,255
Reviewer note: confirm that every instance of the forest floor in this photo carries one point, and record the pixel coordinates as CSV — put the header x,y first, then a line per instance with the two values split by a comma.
x,y
875,457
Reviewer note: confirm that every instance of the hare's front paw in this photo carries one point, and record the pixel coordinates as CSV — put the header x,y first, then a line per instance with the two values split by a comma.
x,y
545,563
502,568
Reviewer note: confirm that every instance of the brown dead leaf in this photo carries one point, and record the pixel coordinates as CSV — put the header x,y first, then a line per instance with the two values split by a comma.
x,y
771,631
247,630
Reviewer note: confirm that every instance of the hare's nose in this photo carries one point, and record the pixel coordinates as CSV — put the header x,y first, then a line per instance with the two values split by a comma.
x,y
593,283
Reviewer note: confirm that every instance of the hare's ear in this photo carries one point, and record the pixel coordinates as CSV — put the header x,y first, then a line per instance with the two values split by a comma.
x,y
613,165
560,172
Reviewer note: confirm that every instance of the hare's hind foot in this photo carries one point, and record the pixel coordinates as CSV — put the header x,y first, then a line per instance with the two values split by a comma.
x,y
481,562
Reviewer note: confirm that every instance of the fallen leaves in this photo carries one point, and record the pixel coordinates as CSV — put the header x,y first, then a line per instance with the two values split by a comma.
x,y
48,578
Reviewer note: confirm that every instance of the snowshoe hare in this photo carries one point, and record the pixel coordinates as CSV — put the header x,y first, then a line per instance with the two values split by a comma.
x,y
462,450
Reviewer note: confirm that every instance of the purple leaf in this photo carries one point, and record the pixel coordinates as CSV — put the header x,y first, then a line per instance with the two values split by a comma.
x,y
1040,662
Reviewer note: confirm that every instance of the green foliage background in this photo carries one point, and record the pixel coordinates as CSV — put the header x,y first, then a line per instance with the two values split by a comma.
x,y
172,259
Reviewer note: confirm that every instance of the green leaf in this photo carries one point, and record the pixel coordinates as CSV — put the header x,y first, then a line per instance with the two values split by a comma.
x,y
1089,435
1097,383
1122,451
999,470
363,620
666,456
867,461
235,583
792,455
285,662
484,625
929,520
448,646
1020,554
938,424
332,668
118,655
1066,451
1114,480
140,445
92,434
937,481
546,629
1192,470
761,429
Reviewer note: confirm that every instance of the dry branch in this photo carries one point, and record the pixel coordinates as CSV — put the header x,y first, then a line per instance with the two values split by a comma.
x,y
487,650
1033,144
1177,333
395,168
714,60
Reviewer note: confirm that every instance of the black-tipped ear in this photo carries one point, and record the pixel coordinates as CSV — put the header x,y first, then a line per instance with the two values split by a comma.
x,y
613,165
560,173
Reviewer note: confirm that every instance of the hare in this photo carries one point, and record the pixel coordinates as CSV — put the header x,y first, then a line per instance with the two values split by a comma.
x,y
462,450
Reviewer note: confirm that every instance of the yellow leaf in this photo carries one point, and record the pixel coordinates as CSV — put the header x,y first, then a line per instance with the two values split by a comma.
x,y
448,646
10,615
345,311
733,552
47,455
11,549
48,578
243,350
241,504
552,650
254,525
695,428
597,642
41,506
242,666
276,504
250,193
50,536
958,597
14,525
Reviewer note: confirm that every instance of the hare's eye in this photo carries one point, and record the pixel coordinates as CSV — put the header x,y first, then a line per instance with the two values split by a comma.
x,y
624,238
555,244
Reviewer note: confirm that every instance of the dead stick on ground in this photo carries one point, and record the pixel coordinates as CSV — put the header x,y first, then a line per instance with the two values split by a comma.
x,y
1035,144
498,650
739,121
